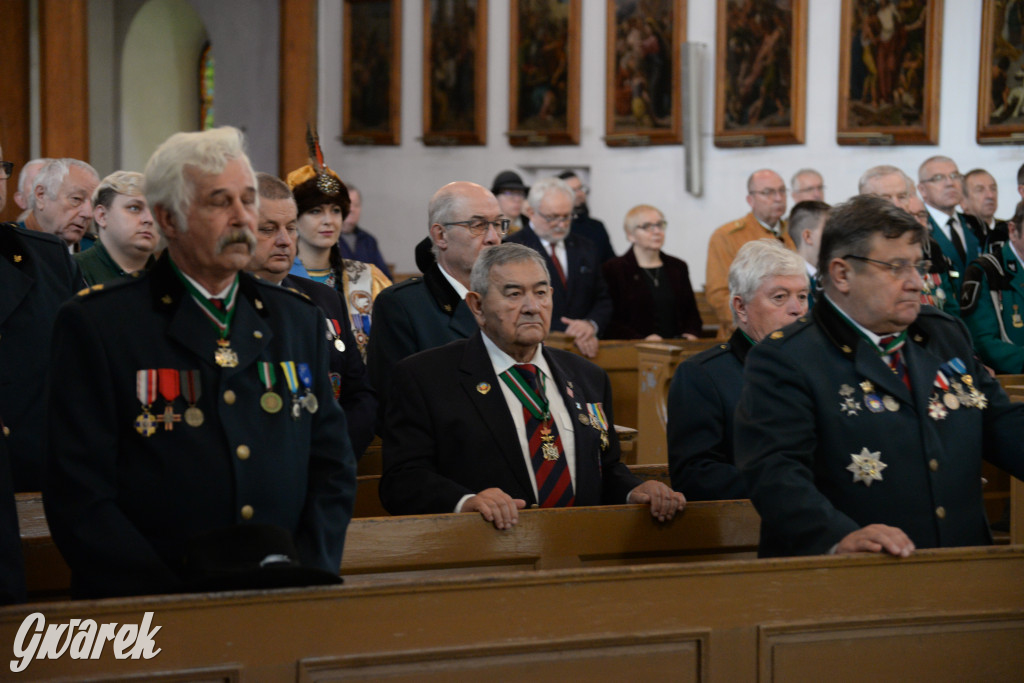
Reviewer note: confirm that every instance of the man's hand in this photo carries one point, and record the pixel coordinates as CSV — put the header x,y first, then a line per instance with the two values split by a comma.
x,y
876,538
584,333
664,501
496,506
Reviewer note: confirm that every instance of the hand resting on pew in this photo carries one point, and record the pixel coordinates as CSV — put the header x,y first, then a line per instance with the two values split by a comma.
x,y
496,506
876,538
665,502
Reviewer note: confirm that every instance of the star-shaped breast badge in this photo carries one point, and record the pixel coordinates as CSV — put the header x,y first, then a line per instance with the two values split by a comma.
x,y
849,407
866,466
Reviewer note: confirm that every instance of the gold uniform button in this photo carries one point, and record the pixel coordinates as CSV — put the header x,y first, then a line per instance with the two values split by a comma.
x,y
242,452
934,465
257,334
940,512
247,512
229,397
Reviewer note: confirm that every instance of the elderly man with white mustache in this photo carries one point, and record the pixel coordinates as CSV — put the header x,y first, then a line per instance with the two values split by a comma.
x,y
190,409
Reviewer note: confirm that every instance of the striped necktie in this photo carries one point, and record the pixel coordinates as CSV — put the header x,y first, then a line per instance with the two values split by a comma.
x,y
554,484
893,345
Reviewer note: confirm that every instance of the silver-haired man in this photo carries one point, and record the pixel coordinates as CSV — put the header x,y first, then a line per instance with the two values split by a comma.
x,y
194,401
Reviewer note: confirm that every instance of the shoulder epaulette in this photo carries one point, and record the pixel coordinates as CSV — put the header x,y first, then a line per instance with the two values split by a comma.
x,y
789,331
989,267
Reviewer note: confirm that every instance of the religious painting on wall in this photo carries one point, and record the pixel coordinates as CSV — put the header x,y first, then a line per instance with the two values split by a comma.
x,y
544,73
371,72
760,72
642,78
1001,76
454,72
889,61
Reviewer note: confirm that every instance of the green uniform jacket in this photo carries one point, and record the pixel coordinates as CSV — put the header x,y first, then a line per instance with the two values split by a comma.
x,y
816,394
1006,357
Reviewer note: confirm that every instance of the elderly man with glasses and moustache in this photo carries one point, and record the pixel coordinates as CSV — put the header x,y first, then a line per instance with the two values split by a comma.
x,y
423,312
766,195
193,403
863,428
582,307
651,293
517,424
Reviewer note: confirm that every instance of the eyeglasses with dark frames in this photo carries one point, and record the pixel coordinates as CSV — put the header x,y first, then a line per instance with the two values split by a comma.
x,y
479,226
556,219
6,168
899,268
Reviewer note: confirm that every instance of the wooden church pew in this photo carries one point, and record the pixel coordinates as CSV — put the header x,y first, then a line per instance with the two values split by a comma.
x,y
940,615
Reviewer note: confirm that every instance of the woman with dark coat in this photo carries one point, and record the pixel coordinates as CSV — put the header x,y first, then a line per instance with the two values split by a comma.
x,y
650,290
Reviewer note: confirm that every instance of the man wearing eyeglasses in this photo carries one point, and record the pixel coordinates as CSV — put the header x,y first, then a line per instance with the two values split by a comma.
x,y
862,427
766,195
582,305
421,313
941,188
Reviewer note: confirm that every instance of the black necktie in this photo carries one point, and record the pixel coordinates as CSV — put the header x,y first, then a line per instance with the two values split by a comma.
x,y
954,236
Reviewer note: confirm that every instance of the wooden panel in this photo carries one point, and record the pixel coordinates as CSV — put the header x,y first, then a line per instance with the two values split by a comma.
x,y
297,81
63,79
609,659
487,625
971,648
14,105
707,315
656,365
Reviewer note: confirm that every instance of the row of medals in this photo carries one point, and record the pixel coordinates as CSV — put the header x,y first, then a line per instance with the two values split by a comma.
x,y
272,403
953,398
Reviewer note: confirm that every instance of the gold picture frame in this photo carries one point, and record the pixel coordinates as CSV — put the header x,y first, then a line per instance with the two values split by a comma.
x,y
371,109
454,72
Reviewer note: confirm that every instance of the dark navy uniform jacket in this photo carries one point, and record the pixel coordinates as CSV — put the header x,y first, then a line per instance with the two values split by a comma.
x,y
412,316
37,275
701,406
796,435
122,506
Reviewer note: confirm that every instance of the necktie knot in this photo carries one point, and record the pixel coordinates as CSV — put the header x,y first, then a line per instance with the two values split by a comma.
x,y
528,371
218,304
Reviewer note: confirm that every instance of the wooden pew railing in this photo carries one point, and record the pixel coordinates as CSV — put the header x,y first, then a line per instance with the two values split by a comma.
x,y
616,534
861,618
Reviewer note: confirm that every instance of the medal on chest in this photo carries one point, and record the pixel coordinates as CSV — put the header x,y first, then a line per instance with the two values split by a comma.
x,y
145,390
191,390
225,356
270,401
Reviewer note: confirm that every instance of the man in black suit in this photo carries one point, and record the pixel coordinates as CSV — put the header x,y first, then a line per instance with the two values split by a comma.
x,y
165,419
863,428
582,305
37,275
489,424
421,313
583,223
272,259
